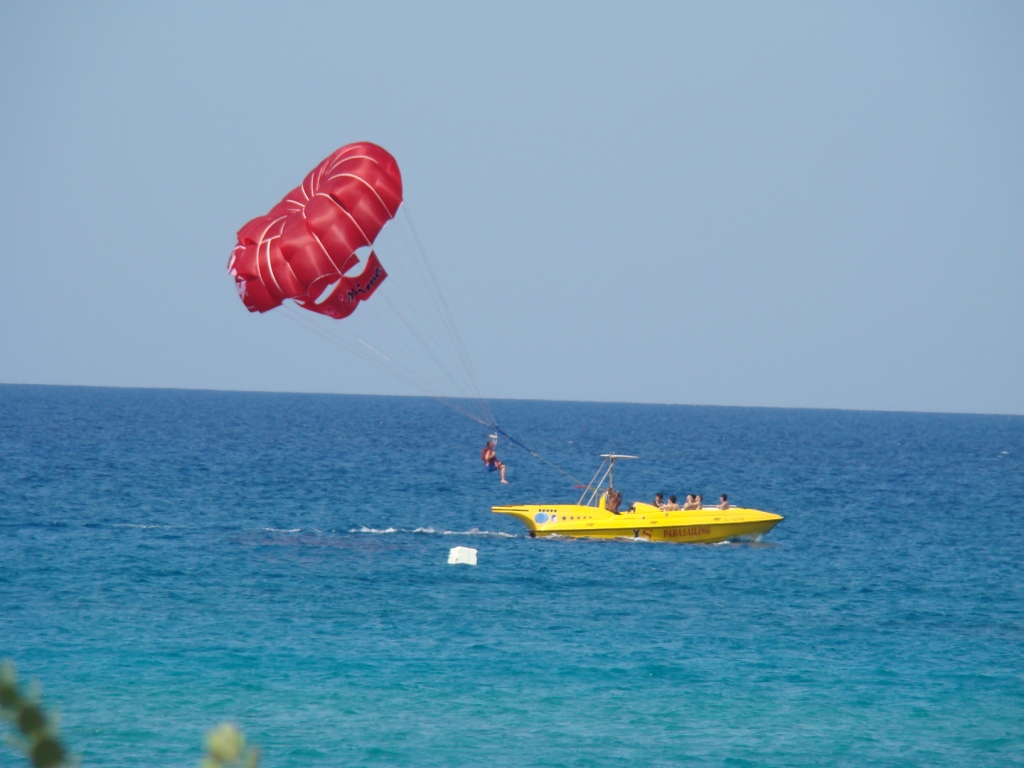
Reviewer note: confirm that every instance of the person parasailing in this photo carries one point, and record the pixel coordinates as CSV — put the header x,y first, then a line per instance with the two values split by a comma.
x,y
316,253
490,458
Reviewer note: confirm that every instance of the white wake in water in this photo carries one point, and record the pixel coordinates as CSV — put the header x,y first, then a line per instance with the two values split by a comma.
x,y
435,532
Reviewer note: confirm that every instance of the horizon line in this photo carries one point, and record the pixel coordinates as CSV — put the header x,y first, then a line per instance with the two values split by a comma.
x,y
441,398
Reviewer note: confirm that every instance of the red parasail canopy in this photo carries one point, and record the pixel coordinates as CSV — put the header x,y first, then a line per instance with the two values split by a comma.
x,y
303,248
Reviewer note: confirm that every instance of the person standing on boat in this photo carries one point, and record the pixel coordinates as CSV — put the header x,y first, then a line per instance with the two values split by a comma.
x,y
491,462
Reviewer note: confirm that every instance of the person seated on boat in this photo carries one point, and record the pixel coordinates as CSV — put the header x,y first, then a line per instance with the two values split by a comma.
x,y
672,505
698,502
659,500
723,501
689,503
612,500
491,462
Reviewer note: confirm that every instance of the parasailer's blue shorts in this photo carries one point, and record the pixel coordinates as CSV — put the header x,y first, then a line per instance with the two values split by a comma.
x,y
491,467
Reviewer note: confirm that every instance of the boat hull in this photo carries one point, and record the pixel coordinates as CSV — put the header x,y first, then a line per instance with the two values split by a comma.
x,y
700,526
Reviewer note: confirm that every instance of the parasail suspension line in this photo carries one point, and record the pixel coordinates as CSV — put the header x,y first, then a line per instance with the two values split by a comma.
x,y
366,351
499,431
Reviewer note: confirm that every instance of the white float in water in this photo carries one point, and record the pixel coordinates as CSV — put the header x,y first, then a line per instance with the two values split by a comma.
x,y
463,555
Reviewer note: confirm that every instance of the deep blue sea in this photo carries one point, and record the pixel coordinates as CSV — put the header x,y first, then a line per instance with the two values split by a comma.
x,y
173,559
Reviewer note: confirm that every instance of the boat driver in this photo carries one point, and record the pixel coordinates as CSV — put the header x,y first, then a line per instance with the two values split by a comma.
x,y
612,501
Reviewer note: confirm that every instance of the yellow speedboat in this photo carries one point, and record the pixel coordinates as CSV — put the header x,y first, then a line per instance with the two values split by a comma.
x,y
591,517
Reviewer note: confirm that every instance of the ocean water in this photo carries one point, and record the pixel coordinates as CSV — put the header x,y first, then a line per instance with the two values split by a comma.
x,y
173,559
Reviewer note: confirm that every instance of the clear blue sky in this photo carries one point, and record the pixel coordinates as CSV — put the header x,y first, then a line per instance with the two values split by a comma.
x,y
789,204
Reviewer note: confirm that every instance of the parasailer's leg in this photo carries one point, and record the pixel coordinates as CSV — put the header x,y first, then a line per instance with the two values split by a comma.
x,y
499,466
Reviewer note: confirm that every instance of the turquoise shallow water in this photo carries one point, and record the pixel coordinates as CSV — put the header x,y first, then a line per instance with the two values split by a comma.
x,y
172,559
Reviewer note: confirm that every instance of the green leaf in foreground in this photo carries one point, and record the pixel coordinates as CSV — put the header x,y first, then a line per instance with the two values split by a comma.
x,y
36,730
